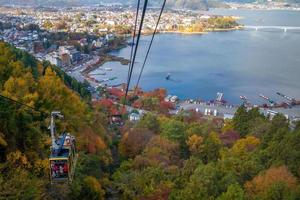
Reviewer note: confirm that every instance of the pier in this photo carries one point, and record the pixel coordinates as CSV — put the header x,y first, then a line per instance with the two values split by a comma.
x,y
283,28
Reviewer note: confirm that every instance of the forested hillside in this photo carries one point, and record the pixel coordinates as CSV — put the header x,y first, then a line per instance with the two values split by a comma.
x,y
189,157
185,156
24,134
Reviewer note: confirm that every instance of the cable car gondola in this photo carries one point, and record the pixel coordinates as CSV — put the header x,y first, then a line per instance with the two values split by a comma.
x,y
63,155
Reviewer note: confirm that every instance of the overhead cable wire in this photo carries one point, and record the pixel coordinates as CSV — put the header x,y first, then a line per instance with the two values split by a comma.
x,y
151,42
136,46
20,103
43,113
133,36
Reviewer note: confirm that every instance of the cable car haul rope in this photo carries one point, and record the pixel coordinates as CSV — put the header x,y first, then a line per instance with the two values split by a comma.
x,y
63,156
133,53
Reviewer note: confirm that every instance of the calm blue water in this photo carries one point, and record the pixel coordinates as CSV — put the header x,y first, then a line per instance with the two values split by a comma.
x,y
236,63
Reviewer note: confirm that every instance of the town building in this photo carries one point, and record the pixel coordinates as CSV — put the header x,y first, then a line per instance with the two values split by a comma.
x,y
54,59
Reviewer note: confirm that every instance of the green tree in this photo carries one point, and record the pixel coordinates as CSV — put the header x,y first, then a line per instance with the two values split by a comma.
x,y
135,184
210,148
47,25
234,192
174,130
19,184
279,191
207,182
242,119
88,188
149,121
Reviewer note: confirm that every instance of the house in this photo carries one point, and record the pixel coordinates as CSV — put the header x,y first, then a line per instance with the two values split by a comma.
x,y
168,98
174,99
38,47
228,116
116,120
205,17
133,117
54,59
72,52
116,93
52,48
65,59
110,37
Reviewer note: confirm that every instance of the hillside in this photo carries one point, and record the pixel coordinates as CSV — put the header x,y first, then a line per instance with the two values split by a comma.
x,y
24,134
179,157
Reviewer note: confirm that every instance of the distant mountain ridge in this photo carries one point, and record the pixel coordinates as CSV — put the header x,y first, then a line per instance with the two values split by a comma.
x,y
177,4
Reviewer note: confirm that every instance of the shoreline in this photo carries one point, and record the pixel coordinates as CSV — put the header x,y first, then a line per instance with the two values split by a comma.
x,y
206,31
104,58
297,9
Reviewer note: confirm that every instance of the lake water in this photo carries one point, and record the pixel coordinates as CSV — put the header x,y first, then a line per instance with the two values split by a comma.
x,y
245,62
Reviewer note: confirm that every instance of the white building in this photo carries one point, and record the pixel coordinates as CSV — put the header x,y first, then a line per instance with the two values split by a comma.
x,y
54,59
133,117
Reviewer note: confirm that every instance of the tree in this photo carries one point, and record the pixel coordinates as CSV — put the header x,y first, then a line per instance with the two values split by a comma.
x,y
194,143
278,191
142,184
159,152
89,188
278,122
3,143
234,192
245,145
297,126
149,121
194,129
207,182
21,88
150,103
241,159
134,142
281,147
242,119
261,183
229,137
24,137
174,130
47,25
54,95
89,141
210,149
19,184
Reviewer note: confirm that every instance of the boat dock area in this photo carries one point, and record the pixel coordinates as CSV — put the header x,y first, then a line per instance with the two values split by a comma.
x,y
228,111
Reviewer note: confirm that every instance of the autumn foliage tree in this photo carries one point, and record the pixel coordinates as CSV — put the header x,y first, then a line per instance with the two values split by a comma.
x,y
183,156
260,184
134,142
24,134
